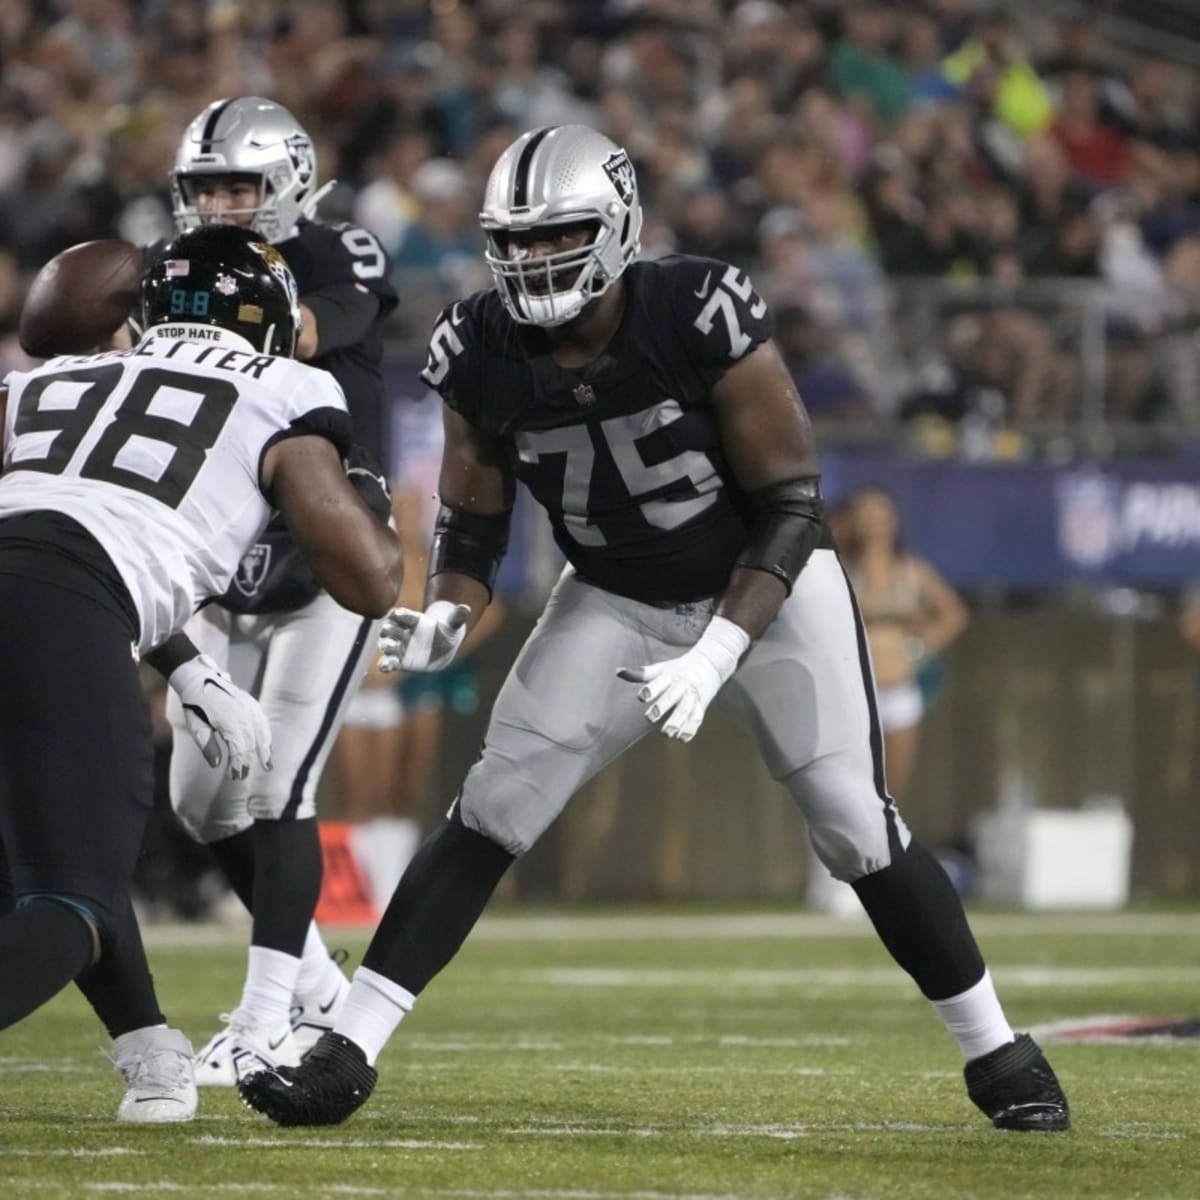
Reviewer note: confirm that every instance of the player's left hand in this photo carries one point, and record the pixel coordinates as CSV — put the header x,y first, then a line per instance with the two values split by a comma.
x,y
681,689
219,714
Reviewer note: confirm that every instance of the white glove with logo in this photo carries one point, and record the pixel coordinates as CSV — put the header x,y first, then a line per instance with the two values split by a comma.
x,y
219,713
681,689
422,641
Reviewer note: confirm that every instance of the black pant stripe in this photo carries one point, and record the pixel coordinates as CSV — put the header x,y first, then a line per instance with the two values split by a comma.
x,y
335,701
864,663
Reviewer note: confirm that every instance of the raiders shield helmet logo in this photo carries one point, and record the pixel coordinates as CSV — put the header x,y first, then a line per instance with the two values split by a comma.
x,y
300,151
253,568
620,170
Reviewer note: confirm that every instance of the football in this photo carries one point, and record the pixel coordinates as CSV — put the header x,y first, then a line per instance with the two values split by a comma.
x,y
79,299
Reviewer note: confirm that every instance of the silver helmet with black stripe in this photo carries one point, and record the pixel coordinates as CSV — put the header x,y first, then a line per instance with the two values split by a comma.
x,y
249,138
566,175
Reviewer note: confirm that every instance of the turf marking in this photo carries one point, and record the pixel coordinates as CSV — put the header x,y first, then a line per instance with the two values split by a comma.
x,y
577,927
166,1186
99,1152
287,1143
823,978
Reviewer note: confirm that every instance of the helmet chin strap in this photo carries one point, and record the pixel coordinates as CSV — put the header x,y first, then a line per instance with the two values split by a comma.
x,y
309,207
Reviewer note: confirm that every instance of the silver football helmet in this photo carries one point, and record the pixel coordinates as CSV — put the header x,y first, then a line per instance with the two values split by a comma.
x,y
563,175
254,137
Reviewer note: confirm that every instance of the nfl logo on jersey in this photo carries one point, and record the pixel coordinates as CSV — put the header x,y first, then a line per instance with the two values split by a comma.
x,y
585,395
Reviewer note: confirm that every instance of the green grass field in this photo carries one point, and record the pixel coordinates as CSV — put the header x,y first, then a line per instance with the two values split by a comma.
x,y
654,1054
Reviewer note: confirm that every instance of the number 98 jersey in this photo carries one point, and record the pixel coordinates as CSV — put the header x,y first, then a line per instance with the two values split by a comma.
x,y
156,452
624,453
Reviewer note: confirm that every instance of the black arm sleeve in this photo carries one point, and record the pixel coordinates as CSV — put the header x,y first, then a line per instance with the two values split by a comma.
x,y
786,527
344,313
172,653
470,543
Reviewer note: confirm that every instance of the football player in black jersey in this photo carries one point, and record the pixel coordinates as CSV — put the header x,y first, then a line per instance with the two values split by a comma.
x,y
248,162
645,406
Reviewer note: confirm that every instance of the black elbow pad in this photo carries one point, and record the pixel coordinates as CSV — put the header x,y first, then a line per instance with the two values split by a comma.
x,y
368,479
786,528
469,543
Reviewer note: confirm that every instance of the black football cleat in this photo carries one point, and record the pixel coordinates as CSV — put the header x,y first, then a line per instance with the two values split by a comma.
x,y
1018,1089
331,1084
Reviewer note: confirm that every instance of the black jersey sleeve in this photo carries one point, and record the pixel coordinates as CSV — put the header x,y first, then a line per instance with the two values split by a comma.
x,y
719,316
344,312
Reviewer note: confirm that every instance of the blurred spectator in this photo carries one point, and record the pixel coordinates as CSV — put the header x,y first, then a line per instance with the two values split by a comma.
x,y
1017,95
386,204
826,384
441,252
911,615
864,65
987,146
1094,150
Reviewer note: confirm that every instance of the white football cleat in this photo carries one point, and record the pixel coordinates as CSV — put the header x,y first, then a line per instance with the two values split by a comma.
x,y
313,1013
156,1063
244,1046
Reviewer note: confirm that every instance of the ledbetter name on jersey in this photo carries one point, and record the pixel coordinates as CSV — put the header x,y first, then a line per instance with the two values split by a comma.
x,y
624,453
173,518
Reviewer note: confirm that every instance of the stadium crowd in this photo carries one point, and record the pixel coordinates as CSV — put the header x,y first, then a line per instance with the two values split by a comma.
x,y
902,179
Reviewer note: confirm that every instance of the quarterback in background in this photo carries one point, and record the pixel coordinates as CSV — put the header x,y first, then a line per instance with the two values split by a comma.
x,y
280,635
646,408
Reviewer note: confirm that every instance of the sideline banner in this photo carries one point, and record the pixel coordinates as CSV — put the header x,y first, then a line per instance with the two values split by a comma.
x,y
1127,523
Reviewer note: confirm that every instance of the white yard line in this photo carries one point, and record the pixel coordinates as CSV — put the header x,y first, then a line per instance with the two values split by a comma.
x,y
1029,975
168,1187
682,926
99,1152
287,1143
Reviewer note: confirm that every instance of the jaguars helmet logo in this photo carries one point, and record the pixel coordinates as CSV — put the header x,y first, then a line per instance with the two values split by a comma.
x,y
277,265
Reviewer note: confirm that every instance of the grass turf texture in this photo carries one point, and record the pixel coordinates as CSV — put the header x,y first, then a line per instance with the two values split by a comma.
x,y
648,1055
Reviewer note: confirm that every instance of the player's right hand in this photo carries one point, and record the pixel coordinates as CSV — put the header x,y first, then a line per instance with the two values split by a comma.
x,y
422,641
219,713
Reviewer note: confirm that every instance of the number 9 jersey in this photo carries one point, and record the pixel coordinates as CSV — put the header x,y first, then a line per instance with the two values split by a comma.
x,y
157,453
624,454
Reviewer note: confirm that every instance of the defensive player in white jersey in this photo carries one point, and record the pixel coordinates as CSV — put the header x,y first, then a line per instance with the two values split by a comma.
x,y
247,161
647,409
133,483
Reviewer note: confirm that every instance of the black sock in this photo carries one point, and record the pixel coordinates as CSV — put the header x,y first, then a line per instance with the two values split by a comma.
x,y
287,882
235,857
8,898
436,904
120,987
44,944
919,916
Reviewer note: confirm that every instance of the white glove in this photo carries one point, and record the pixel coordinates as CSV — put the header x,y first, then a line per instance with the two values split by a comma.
x,y
219,713
422,641
681,689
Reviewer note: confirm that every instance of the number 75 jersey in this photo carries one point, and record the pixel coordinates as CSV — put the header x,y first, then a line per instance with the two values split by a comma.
x,y
156,451
624,453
